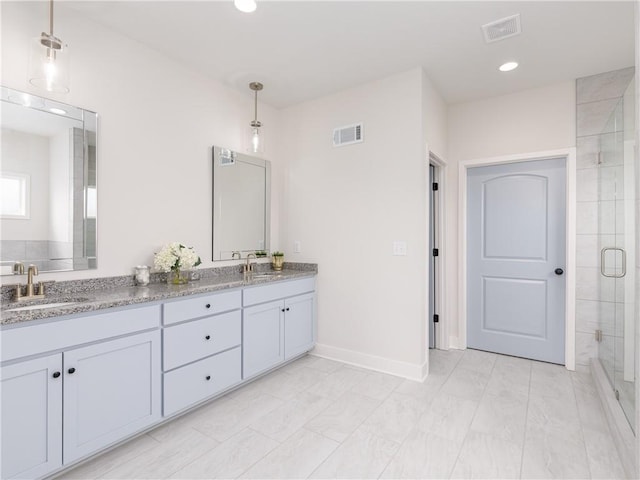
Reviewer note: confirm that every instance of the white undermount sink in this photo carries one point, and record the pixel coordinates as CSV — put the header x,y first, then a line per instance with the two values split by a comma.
x,y
40,306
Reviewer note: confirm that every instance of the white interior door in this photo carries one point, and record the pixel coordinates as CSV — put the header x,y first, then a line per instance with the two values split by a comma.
x,y
516,229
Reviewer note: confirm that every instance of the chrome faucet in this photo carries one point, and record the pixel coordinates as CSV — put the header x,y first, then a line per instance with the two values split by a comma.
x,y
30,289
233,255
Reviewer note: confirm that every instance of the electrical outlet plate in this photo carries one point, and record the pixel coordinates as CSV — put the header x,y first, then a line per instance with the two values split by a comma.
x,y
399,248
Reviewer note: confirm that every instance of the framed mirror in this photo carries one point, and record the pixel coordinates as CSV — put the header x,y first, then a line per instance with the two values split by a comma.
x,y
241,204
48,184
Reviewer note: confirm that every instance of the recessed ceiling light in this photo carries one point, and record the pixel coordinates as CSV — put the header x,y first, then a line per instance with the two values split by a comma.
x,y
59,111
246,6
507,67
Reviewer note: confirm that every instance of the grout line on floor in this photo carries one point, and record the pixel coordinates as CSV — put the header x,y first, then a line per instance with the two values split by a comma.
x,y
526,419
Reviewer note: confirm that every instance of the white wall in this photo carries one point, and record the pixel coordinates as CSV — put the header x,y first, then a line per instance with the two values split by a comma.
x,y
530,121
157,122
347,205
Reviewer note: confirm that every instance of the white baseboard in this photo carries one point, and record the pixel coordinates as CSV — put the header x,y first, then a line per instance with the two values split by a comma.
x,y
454,342
411,371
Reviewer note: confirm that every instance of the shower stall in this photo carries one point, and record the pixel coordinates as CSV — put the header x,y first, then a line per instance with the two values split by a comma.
x,y
606,216
616,244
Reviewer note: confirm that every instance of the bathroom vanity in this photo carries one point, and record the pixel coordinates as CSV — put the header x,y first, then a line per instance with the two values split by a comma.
x,y
84,376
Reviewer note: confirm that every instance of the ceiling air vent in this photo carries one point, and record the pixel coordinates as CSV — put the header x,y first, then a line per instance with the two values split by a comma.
x,y
501,29
227,157
347,135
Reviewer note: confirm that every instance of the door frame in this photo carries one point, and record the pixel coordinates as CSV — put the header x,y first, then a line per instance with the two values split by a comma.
x,y
569,154
440,175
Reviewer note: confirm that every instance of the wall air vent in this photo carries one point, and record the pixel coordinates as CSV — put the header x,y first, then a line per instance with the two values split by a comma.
x,y
348,135
501,29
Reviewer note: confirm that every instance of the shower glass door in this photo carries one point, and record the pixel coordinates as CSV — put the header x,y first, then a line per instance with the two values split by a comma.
x,y
616,240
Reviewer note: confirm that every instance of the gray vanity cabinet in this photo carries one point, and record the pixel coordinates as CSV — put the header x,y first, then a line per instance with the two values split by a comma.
x,y
299,331
278,324
32,417
111,390
262,338
101,385
201,348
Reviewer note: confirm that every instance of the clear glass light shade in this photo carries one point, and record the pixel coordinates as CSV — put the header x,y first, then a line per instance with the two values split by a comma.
x,y
49,64
255,139
246,6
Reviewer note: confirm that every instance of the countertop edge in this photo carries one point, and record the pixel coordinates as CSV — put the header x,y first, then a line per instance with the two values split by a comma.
x,y
131,296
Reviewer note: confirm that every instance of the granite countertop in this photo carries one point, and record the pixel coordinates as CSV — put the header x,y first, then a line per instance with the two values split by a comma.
x,y
89,299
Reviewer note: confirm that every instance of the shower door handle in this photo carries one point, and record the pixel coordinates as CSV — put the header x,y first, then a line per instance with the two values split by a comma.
x,y
602,262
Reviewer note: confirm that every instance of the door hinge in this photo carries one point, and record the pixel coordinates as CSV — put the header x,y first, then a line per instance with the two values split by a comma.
x,y
434,187
435,252
436,318
598,335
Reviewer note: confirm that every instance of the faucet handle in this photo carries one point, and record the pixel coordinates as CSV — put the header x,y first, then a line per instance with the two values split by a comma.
x,y
18,268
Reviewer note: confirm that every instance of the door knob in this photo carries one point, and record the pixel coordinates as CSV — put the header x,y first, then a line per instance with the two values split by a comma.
x,y
559,271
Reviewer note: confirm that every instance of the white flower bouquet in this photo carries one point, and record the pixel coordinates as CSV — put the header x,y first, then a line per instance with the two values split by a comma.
x,y
174,258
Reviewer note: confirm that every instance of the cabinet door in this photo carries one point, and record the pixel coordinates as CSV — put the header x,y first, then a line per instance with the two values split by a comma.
x,y
32,417
299,325
111,390
262,338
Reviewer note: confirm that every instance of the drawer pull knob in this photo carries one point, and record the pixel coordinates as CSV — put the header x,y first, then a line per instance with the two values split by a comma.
x,y
208,305
56,374
208,377
288,309
71,370
282,310
208,337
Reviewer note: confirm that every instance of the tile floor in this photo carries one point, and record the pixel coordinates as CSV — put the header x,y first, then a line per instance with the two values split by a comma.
x,y
478,415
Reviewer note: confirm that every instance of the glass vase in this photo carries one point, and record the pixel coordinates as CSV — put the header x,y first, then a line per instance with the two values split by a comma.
x,y
178,277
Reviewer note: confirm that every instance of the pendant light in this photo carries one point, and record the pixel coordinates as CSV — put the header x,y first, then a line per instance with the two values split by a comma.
x,y
49,61
256,136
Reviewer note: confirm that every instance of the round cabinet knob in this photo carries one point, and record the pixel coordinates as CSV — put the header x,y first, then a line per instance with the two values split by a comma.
x,y
56,374
71,370
207,378
208,337
288,309
208,305
282,310
559,271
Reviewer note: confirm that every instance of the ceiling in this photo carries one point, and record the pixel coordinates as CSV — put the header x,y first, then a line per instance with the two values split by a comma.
x,y
302,50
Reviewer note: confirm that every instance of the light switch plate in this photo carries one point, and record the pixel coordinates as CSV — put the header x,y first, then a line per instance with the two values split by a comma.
x,y
296,246
399,247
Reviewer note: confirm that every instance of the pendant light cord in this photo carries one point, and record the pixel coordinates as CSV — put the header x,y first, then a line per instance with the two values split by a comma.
x,y
51,17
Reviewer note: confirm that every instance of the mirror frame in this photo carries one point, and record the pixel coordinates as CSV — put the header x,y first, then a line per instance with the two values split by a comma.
x,y
88,125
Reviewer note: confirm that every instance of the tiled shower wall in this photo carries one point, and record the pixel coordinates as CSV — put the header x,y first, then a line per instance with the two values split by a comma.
x,y
598,120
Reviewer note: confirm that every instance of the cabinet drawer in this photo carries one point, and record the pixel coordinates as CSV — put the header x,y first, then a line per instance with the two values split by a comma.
x,y
188,385
194,307
197,339
275,291
61,334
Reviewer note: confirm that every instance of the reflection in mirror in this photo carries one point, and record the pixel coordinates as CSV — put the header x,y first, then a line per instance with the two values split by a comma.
x,y
48,179
241,205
